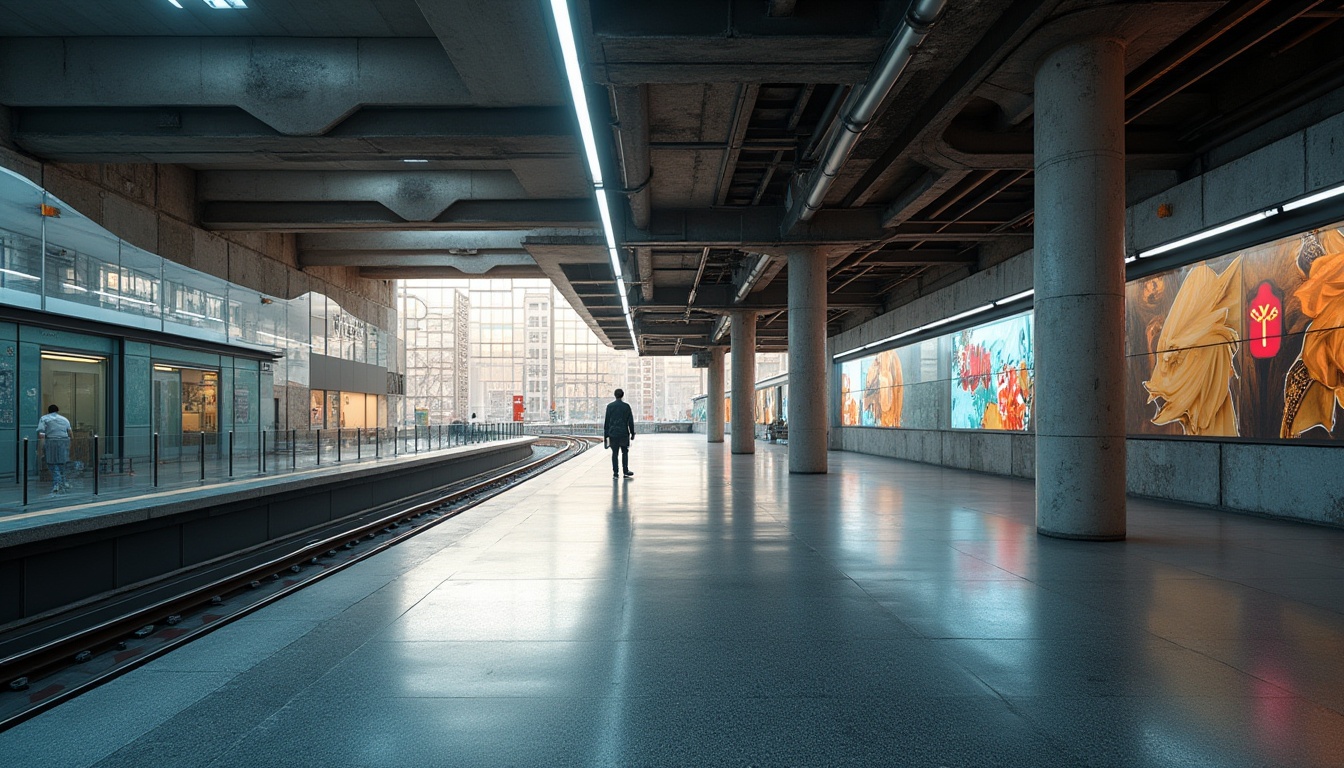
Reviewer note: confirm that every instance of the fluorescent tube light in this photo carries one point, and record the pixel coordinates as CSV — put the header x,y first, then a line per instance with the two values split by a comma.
x,y
16,273
605,211
119,297
569,51
223,5
1314,198
1206,234
414,160
615,263
69,358
958,316
1016,297
1131,259
75,288
176,4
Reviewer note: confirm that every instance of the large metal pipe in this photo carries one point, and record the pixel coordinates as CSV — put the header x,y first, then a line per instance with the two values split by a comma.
x,y
861,108
632,139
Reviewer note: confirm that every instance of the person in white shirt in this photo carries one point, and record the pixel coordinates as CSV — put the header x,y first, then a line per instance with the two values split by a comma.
x,y
53,430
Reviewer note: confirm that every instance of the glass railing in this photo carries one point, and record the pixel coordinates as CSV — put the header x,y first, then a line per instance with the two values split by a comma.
x,y
51,473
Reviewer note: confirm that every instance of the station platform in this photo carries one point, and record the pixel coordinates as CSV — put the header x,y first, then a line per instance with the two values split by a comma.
x,y
716,610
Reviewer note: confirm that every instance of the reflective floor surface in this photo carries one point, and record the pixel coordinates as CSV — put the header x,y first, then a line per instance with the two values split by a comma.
x,y
717,611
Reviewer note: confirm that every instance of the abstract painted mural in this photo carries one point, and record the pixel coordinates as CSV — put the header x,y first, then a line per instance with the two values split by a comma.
x,y
992,383
1245,345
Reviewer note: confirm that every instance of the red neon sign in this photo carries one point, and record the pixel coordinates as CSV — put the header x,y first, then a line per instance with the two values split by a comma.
x,y
1264,319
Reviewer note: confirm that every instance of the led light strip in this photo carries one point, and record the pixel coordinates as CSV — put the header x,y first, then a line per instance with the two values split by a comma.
x,y
939,323
569,51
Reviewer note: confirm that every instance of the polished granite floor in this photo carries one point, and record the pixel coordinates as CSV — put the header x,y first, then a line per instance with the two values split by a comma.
x,y
717,611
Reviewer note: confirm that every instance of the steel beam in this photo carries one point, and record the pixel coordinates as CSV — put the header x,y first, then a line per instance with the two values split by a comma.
x,y
263,216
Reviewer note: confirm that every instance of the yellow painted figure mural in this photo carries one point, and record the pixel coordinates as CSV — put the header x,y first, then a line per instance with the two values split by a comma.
x,y
883,391
1249,345
1193,373
1314,385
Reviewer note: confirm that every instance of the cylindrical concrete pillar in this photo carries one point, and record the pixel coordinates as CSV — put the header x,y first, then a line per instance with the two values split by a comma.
x,y
807,361
1080,291
744,382
714,410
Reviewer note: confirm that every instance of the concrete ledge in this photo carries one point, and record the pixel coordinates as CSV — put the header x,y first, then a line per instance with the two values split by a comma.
x,y
1298,482
97,548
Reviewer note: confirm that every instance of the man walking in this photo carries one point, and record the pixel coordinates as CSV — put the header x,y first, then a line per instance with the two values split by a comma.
x,y
53,432
618,429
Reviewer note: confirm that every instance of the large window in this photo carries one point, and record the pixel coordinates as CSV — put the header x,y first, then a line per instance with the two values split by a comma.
x,y
77,385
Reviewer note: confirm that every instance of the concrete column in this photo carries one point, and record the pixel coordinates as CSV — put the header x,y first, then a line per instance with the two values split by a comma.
x,y
807,361
714,411
1080,291
744,382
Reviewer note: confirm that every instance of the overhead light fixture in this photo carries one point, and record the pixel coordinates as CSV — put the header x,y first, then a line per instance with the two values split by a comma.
x,y
222,5
72,358
75,288
16,273
1312,199
1015,297
1212,232
165,368
414,160
176,4
569,52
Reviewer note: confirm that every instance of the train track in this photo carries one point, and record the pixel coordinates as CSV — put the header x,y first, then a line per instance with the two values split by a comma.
x,y
86,647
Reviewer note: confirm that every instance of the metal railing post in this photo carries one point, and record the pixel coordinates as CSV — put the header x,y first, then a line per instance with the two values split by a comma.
x,y
25,471
293,449
377,442
417,438
338,445
396,435
318,442
261,453
154,458
230,453
202,457
97,463
359,444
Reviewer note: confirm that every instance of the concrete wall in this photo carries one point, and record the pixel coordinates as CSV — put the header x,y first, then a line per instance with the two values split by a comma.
x,y
1293,156
154,207
1295,481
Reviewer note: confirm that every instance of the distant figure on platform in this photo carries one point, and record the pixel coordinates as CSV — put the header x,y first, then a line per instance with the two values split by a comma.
x,y
54,432
618,429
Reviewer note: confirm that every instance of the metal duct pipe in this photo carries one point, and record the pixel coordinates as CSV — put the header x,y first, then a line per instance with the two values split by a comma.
x,y
757,269
862,106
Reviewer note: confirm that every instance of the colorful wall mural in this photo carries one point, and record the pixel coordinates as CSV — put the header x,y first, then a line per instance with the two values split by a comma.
x,y
1245,345
903,387
992,381
1249,345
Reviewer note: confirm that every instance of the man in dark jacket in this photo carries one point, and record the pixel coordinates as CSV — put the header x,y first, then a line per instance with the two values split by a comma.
x,y
618,429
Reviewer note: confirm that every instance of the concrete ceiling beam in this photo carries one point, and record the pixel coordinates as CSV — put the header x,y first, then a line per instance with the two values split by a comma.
x,y
632,140
265,216
413,195
411,242
449,273
631,60
758,227
297,86
229,135
475,264
500,50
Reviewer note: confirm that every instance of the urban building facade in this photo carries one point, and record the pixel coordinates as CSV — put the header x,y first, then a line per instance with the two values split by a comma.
x,y
522,339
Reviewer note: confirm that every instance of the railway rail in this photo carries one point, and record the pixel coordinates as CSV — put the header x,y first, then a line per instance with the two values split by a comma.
x,y
47,662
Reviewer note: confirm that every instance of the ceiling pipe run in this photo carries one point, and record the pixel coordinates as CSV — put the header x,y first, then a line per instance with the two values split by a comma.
x,y
805,199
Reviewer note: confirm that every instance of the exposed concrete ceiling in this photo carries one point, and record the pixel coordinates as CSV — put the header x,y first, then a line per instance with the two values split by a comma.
x,y
301,118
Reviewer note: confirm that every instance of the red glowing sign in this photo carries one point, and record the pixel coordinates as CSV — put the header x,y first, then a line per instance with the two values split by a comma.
x,y
1264,319
517,407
